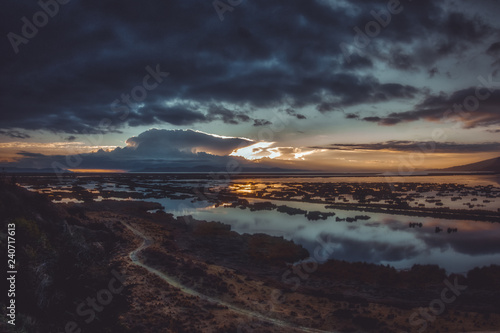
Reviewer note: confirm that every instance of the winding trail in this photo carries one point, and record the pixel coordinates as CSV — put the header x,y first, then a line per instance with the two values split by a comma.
x,y
146,242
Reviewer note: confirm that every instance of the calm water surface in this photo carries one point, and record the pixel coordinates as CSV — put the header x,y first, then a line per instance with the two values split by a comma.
x,y
382,239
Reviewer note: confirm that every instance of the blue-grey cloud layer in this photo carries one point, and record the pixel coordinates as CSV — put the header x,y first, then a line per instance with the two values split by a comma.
x,y
264,54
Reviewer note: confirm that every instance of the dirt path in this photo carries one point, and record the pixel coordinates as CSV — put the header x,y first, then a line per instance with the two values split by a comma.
x,y
173,282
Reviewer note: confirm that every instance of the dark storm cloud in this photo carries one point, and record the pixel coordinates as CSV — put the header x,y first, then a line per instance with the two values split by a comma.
x,y
494,49
460,27
407,146
433,71
357,62
372,119
177,115
370,91
261,122
423,33
351,116
294,113
15,134
471,107
400,60
216,112
153,148
266,53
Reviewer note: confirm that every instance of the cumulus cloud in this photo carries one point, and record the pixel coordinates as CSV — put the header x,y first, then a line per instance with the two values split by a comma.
x,y
157,141
151,149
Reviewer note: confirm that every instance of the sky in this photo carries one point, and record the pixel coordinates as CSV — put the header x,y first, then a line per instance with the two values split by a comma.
x,y
321,85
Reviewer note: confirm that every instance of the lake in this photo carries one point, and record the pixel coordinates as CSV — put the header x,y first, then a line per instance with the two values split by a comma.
x,y
398,239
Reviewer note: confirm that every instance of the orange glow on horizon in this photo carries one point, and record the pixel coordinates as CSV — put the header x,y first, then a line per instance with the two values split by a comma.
x,y
97,170
256,151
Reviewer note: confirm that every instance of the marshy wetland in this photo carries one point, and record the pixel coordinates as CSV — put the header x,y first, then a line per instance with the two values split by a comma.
x,y
451,221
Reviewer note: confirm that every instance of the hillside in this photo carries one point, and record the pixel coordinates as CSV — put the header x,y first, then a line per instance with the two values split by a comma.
x,y
486,165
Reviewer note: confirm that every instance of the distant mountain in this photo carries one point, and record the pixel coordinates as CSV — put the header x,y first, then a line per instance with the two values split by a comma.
x,y
486,165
